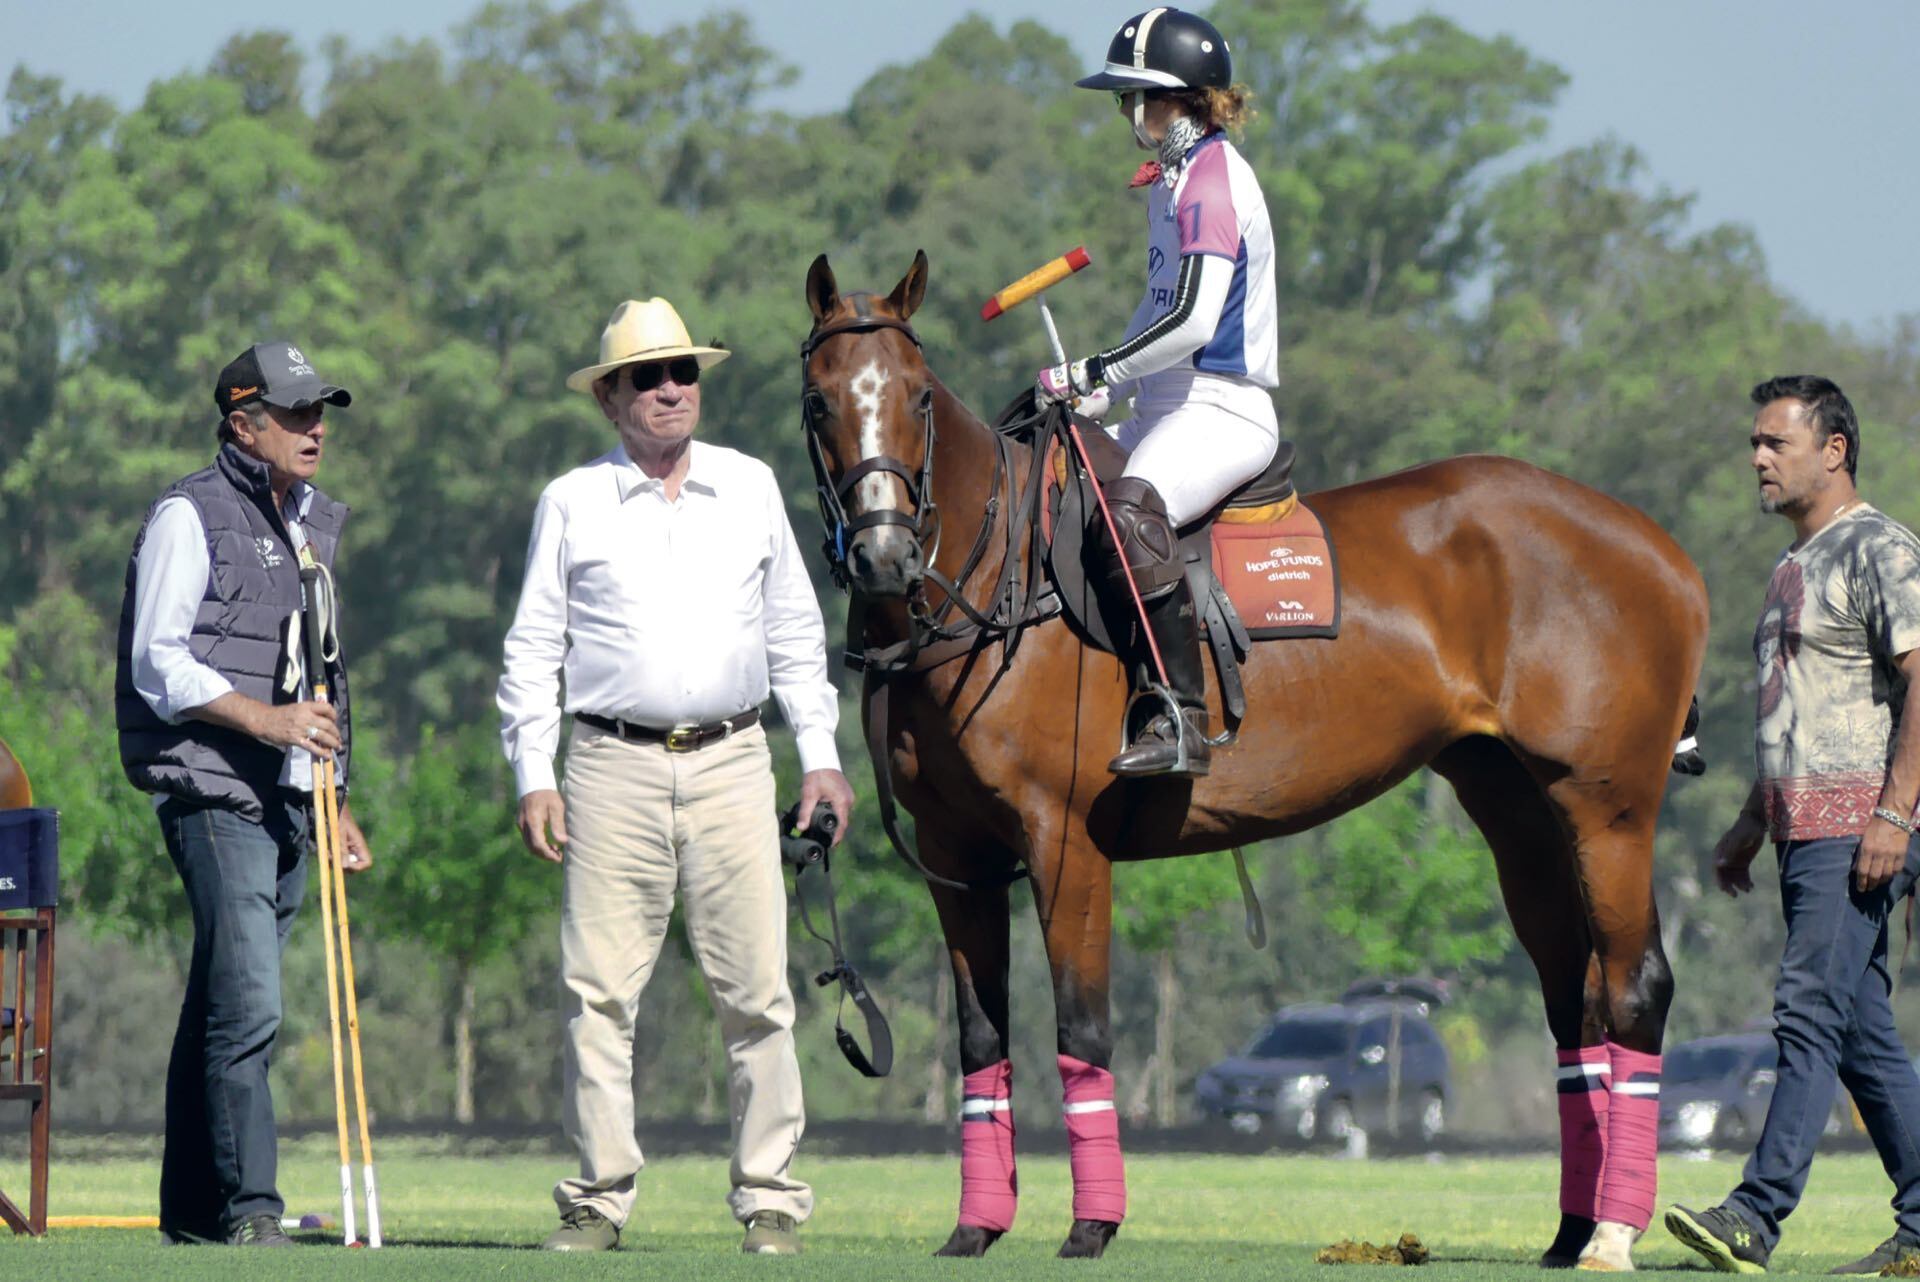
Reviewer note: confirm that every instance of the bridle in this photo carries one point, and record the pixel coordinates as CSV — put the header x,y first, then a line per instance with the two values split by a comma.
x,y
924,515
1011,607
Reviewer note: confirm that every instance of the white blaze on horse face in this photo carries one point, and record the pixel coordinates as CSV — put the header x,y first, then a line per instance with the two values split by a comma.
x,y
866,387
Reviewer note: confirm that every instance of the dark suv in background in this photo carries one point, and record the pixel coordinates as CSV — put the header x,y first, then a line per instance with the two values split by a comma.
x,y
1714,1091
1318,1071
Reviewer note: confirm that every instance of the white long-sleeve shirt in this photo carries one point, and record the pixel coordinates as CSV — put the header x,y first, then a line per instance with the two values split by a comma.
x,y
663,613
169,582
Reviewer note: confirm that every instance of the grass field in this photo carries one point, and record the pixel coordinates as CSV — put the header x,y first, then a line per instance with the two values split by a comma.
x,y
458,1210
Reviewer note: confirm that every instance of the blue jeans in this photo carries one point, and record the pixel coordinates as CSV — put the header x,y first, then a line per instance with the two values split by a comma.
x,y
244,883
1832,1020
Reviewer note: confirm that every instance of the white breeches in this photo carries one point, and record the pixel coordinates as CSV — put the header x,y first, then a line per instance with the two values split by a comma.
x,y
1195,452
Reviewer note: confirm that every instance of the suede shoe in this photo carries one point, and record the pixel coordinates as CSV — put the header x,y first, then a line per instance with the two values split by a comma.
x,y
1722,1236
583,1229
258,1230
771,1233
1895,1251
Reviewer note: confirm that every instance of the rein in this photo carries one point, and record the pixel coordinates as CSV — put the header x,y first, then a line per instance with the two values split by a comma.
x,y
931,640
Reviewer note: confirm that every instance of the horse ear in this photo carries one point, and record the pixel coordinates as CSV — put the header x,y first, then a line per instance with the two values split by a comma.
x,y
907,295
823,292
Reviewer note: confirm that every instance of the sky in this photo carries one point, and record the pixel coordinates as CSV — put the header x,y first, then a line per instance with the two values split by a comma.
x,y
1804,128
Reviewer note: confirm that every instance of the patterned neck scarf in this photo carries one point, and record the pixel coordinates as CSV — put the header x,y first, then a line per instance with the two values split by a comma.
x,y
1182,134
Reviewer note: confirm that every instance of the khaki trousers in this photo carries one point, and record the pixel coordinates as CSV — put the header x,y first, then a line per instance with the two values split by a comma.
x,y
643,823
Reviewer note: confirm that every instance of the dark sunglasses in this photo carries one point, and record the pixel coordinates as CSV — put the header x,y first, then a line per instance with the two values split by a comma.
x,y
684,370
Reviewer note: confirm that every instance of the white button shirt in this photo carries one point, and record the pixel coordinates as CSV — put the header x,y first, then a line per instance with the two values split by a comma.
x,y
663,613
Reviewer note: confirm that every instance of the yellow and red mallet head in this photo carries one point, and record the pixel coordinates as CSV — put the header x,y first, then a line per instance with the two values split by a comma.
x,y
1035,281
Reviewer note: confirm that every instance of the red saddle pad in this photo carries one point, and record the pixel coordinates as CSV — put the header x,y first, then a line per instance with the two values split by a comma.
x,y
1281,575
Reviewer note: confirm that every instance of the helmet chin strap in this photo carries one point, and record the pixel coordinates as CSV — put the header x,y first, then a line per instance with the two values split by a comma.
x,y
1140,135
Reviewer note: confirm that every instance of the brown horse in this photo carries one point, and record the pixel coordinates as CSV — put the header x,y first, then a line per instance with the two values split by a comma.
x,y
1533,641
15,791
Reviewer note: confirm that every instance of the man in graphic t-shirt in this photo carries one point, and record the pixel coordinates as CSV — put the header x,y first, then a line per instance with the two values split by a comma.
x,y
1838,647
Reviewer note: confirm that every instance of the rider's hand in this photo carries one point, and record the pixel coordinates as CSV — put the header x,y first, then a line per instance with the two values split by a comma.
x,y
1062,382
1094,405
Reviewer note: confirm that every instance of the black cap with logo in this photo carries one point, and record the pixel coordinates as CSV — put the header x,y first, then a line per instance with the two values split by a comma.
x,y
277,373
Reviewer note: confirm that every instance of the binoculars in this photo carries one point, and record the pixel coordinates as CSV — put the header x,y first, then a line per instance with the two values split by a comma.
x,y
804,848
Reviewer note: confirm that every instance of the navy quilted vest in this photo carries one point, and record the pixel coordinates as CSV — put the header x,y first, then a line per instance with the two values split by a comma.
x,y
239,632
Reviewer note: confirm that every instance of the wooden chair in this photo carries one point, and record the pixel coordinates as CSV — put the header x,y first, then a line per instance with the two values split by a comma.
x,y
29,886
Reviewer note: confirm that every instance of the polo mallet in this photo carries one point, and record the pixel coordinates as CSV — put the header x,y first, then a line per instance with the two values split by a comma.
x,y
317,596
1034,285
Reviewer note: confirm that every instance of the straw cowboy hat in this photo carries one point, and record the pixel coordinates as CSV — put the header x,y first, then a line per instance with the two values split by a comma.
x,y
649,331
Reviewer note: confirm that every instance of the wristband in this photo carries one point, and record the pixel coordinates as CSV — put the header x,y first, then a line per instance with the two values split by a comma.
x,y
1893,817
1095,368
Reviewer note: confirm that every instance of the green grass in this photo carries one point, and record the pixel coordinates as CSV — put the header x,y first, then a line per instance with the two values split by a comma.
x,y
457,1210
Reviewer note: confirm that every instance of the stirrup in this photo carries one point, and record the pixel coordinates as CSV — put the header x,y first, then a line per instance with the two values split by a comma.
x,y
1182,764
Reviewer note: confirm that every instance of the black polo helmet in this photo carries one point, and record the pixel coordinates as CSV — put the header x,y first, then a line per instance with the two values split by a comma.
x,y
1164,48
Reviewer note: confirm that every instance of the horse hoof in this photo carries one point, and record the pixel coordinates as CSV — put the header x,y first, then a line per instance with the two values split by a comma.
x,y
969,1242
1087,1239
1610,1250
1575,1232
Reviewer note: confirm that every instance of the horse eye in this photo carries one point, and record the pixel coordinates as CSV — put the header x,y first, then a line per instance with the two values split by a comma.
x,y
926,400
815,402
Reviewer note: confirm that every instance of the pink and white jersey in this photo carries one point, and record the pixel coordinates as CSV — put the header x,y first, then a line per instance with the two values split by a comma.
x,y
1215,207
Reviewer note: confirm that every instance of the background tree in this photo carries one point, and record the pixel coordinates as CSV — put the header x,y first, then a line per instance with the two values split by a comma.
x,y
1159,905
457,877
445,224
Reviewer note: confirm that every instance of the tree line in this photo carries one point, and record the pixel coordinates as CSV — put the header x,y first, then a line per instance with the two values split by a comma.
x,y
444,226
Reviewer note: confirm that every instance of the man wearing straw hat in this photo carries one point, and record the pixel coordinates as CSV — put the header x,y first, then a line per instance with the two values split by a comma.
x,y
664,584
208,702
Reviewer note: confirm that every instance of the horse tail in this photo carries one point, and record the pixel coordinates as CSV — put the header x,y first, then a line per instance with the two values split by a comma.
x,y
1686,754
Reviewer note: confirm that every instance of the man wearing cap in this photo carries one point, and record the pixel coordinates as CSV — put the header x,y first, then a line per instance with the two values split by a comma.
x,y
664,584
214,723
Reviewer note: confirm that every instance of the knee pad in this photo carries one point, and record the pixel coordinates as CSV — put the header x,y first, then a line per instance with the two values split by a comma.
x,y
1148,543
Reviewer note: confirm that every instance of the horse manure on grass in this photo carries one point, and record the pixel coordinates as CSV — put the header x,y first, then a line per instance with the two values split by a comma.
x,y
1408,1250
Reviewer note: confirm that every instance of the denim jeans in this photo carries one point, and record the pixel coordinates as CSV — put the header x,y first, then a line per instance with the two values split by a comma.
x,y
1832,1021
244,882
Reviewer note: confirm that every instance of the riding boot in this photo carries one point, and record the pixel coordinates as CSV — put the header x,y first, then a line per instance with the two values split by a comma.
x,y
1150,551
1156,748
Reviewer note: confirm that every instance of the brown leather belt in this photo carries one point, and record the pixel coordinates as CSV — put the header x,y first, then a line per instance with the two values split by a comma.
x,y
676,738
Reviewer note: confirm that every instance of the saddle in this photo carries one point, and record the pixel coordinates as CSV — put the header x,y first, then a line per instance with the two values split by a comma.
x,y
1262,556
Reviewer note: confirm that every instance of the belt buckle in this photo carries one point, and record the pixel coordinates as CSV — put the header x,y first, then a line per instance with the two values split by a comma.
x,y
683,738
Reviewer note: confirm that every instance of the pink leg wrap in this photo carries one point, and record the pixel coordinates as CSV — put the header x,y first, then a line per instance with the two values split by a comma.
x,y
1093,1142
989,1191
1631,1181
1583,1085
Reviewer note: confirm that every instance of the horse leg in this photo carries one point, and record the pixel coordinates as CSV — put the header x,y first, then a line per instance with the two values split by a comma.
x,y
1536,864
1075,901
1614,842
975,923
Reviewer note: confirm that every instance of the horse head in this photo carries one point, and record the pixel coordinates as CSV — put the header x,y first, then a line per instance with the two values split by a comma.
x,y
867,399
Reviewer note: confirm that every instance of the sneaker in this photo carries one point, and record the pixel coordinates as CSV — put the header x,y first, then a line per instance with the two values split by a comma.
x,y
1722,1236
583,1229
772,1233
258,1230
1895,1256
